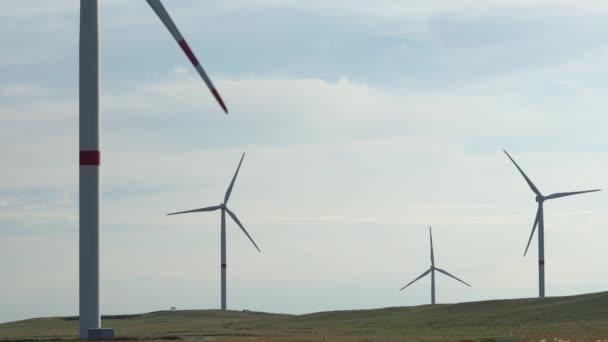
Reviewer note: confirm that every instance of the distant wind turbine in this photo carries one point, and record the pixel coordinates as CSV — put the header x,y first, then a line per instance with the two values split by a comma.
x,y
432,272
90,156
224,208
540,221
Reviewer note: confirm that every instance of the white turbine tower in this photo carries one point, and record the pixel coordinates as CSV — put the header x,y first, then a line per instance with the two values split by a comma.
x,y
224,208
90,156
540,221
432,270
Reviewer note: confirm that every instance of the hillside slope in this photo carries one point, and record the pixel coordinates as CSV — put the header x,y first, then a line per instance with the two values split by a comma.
x,y
583,316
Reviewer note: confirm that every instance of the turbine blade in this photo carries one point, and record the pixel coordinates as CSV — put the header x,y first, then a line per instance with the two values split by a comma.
x,y
449,275
533,229
229,191
215,207
160,11
236,219
532,186
564,194
432,254
413,281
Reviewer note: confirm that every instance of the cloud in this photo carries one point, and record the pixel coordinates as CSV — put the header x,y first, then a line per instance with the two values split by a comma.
x,y
271,95
21,90
37,210
407,8
13,9
363,123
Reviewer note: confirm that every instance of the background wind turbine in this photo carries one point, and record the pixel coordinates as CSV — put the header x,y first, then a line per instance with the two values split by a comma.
x,y
224,209
540,221
432,270
90,155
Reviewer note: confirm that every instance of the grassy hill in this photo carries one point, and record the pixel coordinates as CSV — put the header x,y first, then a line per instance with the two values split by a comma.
x,y
583,317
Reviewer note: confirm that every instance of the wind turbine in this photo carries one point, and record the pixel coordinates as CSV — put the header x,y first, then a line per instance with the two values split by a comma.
x,y
432,270
224,209
90,155
540,221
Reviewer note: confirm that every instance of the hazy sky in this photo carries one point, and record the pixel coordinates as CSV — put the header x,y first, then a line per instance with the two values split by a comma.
x,y
364,122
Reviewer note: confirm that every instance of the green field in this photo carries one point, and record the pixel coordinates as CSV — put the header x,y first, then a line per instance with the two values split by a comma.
x,y
575,318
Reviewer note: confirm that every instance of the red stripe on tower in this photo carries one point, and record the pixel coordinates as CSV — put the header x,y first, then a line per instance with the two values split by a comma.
x,y
90,158
541,262
182,43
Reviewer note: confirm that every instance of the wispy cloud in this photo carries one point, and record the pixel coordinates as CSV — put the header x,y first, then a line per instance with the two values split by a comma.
x,y
363,122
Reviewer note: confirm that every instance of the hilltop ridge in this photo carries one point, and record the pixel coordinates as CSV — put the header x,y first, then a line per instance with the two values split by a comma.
x,y
580,316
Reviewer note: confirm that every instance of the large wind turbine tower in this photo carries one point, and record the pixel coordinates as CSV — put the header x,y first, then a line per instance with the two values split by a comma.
x,y
90,156
432,270
223,208
540,222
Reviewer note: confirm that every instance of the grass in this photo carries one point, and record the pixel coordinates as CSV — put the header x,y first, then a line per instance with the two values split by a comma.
x,y
573,318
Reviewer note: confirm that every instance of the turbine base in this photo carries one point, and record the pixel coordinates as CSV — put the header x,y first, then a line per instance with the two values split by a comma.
x,y
101,334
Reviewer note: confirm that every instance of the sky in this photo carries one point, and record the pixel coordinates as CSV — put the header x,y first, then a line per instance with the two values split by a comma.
x,y
364,123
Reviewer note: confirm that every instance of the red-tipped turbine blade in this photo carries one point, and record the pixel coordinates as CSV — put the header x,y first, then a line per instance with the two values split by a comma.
x,y
159,9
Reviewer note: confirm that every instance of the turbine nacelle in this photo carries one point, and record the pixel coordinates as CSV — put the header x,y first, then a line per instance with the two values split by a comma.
x,y
540,198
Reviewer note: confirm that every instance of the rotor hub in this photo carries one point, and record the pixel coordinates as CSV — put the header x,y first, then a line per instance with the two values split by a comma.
x,y
540,198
